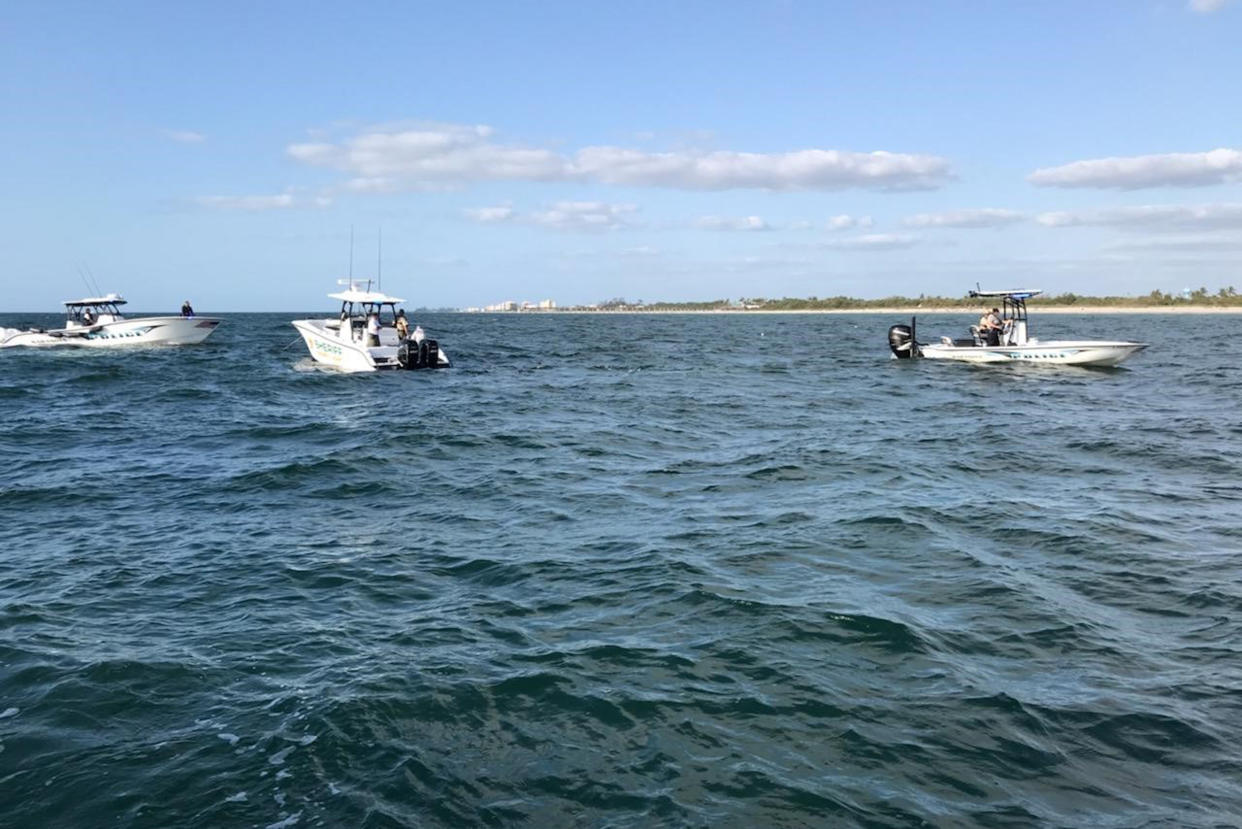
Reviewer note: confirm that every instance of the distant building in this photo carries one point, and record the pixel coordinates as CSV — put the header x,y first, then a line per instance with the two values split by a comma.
x,y
547,305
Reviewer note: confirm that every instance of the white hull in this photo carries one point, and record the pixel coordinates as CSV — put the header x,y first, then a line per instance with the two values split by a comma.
x,y
330,346
1053,352
125,332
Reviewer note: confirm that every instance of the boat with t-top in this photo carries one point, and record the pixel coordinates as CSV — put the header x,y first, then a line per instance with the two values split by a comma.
x,y
1008,340
371,333
97,322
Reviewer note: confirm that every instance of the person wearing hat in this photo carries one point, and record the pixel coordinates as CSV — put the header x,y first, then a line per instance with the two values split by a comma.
x,y
402,325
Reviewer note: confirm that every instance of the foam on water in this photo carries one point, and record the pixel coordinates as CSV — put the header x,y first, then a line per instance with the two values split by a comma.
x,y
625,571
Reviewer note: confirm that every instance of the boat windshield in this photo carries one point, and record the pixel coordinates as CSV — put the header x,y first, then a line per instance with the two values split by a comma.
x,y
362,310
84,312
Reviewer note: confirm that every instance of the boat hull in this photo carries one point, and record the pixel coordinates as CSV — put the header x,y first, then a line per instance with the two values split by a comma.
x,y
128,332
1056,352
328,347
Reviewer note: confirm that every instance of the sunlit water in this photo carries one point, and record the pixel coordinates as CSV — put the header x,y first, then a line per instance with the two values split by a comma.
x,y
623,571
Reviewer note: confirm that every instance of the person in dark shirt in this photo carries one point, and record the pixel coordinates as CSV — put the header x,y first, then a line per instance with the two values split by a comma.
x,y
186,310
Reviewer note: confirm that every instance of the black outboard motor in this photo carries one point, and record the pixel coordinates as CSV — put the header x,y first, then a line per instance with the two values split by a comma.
x,y
408,354
425,354
901,341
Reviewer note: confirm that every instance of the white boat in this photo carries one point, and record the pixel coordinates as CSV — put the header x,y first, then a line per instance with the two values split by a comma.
x,y
344,341
1012,343
97,322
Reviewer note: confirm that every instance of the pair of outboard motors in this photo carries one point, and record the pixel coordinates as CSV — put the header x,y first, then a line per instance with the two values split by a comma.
x,y
901,341
425,354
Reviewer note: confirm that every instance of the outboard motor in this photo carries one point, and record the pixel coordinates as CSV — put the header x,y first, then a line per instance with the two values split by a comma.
x,y
901,341
408,354
420,354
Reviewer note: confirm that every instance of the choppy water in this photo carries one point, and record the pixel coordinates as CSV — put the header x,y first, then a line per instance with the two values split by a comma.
x,y
623,571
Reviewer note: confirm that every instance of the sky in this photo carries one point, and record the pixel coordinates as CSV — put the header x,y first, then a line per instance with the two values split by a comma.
x,y
226,152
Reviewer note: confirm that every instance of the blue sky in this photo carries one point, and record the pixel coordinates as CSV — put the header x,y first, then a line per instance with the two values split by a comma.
x,y
656,151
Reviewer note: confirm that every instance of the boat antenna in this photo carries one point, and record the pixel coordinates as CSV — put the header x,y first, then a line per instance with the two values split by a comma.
x,y
379,265
98,290
351,257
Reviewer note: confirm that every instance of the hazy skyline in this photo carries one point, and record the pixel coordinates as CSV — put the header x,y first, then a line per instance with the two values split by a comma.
x,y
653,151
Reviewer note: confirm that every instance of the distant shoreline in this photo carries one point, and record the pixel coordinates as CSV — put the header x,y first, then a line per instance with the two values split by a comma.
x,y
1036,310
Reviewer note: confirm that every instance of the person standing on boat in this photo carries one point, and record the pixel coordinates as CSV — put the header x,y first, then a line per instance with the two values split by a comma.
x,y
88,316
991,327
402,325
186,309
373,329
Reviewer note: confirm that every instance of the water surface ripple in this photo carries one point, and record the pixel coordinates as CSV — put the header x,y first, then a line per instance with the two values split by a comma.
x,y
623,571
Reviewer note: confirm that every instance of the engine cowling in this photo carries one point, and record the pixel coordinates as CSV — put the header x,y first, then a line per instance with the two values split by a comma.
x,y
901,341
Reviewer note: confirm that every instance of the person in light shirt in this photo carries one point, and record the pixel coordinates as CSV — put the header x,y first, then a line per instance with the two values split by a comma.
x,y
373,329
402,325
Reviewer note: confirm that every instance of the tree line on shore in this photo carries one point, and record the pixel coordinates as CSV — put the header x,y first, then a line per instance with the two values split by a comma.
x,y
1225,297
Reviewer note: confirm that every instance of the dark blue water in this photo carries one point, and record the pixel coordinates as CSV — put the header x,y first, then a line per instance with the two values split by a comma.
x,y
623,571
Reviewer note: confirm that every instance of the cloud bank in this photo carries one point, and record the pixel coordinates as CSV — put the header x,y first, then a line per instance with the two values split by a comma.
x,y
745,223
450,155
1173,218
982,217
873,242
1220,166
564,215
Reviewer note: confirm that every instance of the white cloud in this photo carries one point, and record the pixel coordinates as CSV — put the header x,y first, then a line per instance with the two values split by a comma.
x,y
452,155
258,203
746,223
981,217
1207,6
845,222
874,241
1220,166
1151,217
584,215
185,136
488,215
1181,244
723,170
564,215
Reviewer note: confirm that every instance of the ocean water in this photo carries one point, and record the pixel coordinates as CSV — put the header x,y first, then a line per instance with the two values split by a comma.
x,y
623,571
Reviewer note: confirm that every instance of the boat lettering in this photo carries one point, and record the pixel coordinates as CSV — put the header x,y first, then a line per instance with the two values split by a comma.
x,y
327,348
116,335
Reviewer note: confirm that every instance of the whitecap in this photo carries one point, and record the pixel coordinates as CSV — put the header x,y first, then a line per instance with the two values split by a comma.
x,y
9,712
292,820
279,757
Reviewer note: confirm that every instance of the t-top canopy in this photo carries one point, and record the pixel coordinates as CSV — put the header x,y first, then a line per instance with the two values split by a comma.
x,y
110,299
365,297
1025,293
